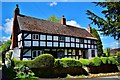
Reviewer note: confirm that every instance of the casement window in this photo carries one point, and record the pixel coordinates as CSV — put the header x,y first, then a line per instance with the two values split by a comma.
x,y
61,44
81,40
85,41
72,44
42,43
77,40
36,53
35,36
72,39
77,45
49,37
55,38
49,44
42,37
67,44
95,42
61,38
67,39
89,41
55,44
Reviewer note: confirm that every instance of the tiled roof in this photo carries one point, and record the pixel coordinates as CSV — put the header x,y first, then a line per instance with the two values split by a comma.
x,y
113,51
28,23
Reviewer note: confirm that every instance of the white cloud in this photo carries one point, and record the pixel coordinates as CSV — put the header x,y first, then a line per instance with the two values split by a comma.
x,y
53,3
73,23
4,38
7,27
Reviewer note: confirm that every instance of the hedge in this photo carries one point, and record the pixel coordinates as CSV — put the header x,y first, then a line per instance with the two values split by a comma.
x,y
44,60
84,62
67,62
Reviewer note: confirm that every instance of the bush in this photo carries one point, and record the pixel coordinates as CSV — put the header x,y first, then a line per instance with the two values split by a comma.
x,y
67,62
44,60
104,60
17,63
84,62
95,61
111,60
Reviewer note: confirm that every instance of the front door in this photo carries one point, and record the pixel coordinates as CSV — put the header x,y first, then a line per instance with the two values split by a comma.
x,y
84,54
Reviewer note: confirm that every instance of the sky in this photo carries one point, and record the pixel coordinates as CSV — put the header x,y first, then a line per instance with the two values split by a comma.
x,y
74,12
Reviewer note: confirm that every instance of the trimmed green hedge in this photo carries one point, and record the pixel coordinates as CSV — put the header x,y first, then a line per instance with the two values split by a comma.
x,y
67,62
84,62
44,60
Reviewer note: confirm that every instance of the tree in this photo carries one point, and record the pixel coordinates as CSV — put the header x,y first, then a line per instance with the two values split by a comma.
x,y
99,42
108,52
54,18
5,45
110,24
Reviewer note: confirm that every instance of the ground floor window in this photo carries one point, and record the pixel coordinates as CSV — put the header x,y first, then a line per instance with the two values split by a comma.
x,y
36,53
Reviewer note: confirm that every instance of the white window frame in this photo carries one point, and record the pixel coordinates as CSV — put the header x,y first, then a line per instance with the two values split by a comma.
x,y
35,38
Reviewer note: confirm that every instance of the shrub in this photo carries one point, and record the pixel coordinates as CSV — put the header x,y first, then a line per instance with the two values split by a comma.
x,y
95,61
84,62
44,60
104,60
24,72
67,62
17,63
111,60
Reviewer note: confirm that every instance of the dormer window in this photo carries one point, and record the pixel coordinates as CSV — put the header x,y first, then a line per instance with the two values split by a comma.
x,y
35,36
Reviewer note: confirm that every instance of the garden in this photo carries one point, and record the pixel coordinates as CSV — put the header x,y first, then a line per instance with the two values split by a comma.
x,y
46,66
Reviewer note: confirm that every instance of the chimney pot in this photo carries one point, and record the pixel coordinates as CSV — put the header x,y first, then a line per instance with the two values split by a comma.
x,y
63,20
89,28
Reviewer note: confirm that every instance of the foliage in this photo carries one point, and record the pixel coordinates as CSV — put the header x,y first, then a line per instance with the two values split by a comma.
x,y
95,61
84,62
44,60
108,52
110,23
17,63
5,45
67,62
111,60
54,18
104,60
23,72
99,42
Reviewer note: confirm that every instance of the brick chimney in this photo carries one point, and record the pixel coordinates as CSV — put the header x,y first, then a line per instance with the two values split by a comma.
x,y
89,28
63,20
15,28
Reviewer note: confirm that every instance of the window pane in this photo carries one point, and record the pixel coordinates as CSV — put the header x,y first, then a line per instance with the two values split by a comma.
x,y
67,44
49,43
34,54
85,41
81,40
85,45
42,37
27,43
42,43
67,39
61,44
81,45
77,40
77,45
88,41
55,44
49,37
61,38
35,36
88,46
72,44
55,38
65,51
72,39
35,43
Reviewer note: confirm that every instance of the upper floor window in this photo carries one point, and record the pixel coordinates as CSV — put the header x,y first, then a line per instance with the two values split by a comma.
x,y
85,41
61,38
55,38
81,40
72,39
42,37
77,40
67,39
35,36
88,41
49,37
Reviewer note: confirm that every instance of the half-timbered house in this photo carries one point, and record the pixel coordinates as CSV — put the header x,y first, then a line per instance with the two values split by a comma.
x,y
32,37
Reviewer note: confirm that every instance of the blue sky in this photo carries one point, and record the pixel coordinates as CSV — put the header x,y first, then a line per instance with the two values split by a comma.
x,y
74,12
